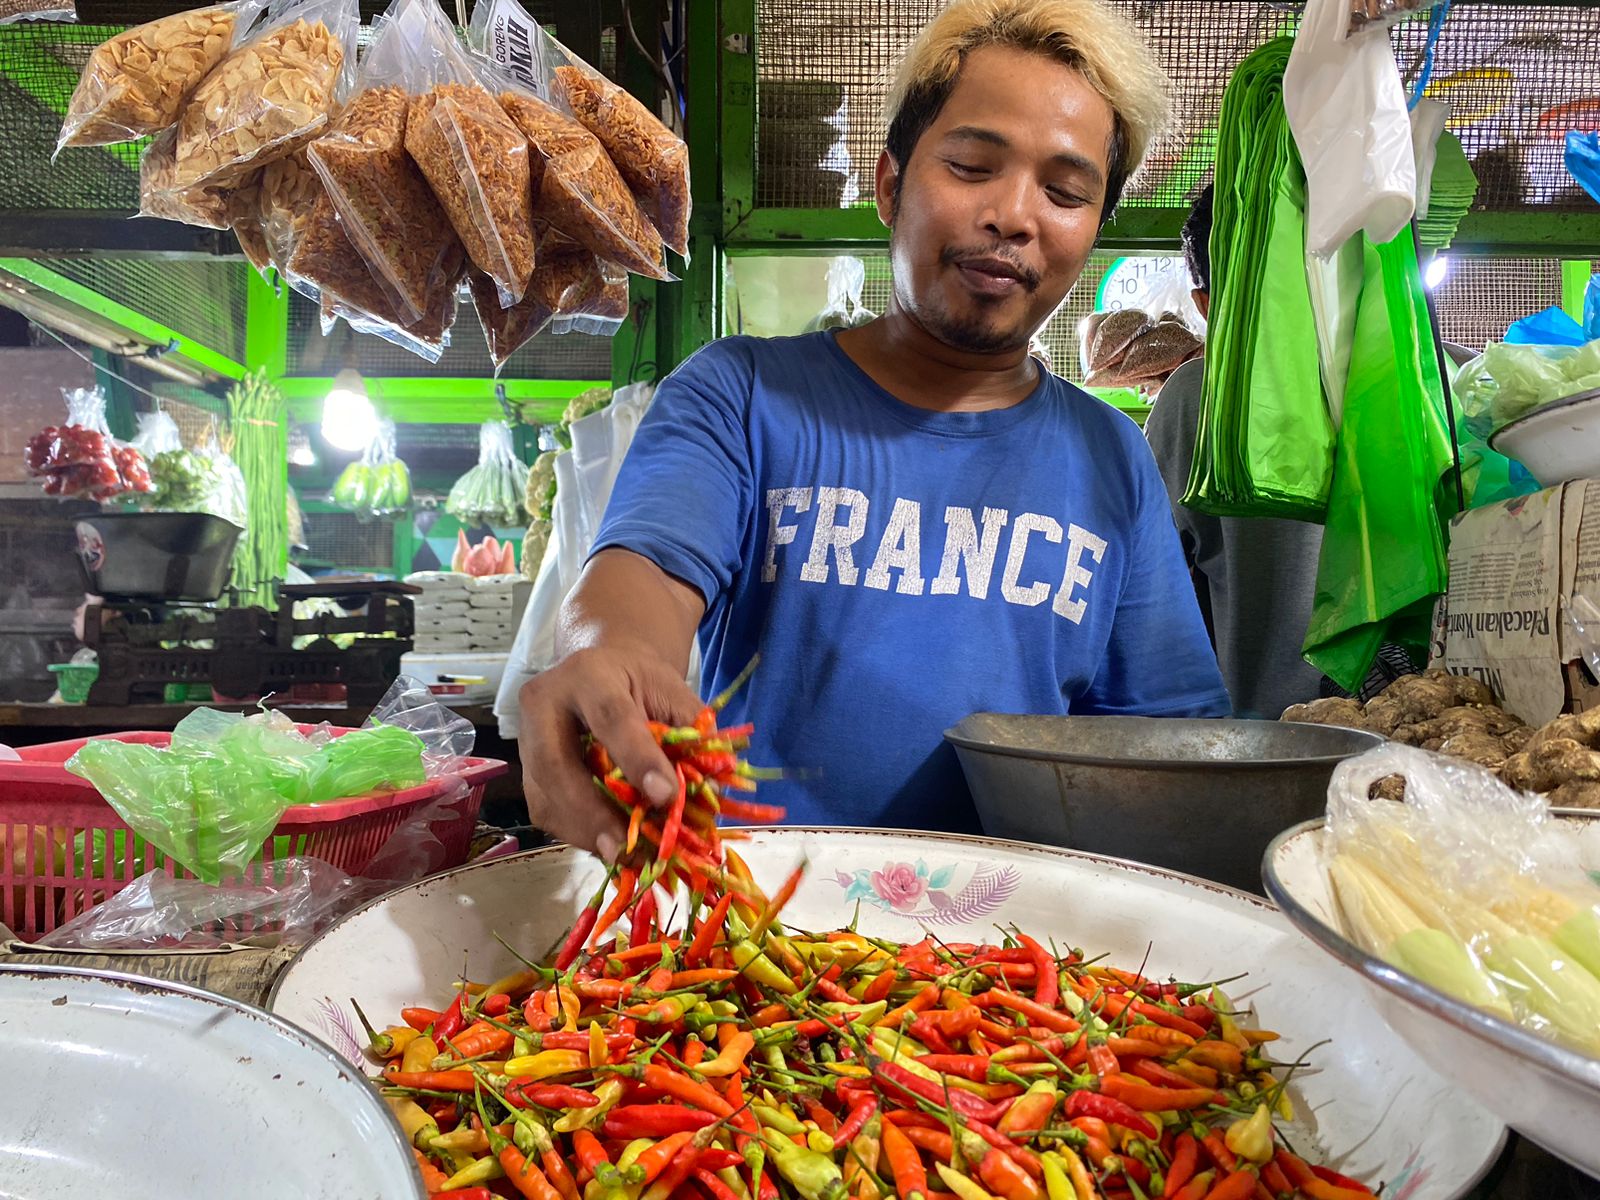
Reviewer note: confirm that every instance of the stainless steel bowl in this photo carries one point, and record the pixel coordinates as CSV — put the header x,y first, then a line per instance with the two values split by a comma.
x,y
1199,796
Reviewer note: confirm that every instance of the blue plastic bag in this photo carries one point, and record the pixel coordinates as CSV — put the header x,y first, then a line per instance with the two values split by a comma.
x,y
1552,327
1583,160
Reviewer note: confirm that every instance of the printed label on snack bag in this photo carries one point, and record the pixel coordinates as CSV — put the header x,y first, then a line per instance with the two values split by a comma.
x,y
516,43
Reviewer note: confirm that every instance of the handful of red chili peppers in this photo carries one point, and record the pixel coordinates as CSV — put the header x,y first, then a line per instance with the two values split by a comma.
x,y
738,1060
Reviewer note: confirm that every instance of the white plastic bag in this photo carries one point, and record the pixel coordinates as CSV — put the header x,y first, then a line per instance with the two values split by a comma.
x,y
1347,108
585,476
1428,120
847,279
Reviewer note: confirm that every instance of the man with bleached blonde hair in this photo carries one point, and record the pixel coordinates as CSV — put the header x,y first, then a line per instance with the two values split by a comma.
x,y
910,521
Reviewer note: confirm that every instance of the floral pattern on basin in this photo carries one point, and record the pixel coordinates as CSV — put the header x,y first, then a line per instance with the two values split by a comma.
x,y
919,893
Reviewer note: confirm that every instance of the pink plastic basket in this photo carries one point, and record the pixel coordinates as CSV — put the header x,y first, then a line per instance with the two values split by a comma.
x,y
45,810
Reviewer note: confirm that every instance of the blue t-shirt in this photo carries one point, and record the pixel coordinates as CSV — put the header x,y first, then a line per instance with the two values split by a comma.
x,y
899,568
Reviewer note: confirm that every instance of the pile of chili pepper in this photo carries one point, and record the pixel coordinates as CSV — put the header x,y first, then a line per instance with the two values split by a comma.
x,y
736,1059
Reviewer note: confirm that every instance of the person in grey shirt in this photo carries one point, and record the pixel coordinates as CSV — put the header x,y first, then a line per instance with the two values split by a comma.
x,y
1255,577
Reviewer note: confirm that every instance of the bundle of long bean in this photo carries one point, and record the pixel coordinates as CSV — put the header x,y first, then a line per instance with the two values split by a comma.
x,y
735,1060
261,450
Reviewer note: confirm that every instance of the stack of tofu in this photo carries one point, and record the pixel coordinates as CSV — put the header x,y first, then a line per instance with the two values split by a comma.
x,y
457,614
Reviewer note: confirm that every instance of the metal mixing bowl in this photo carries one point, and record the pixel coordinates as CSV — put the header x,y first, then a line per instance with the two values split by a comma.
x,y
1199,796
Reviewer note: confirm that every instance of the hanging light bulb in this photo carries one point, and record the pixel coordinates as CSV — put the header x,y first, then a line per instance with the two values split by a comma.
x,y
300,452
1438,268
349,421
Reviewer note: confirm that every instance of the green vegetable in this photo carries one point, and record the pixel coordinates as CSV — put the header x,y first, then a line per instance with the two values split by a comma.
x,y
491,493
378,484
261,450
182,481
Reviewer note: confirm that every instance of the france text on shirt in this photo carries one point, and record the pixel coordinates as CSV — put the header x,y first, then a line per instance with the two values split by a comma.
x,y
971,547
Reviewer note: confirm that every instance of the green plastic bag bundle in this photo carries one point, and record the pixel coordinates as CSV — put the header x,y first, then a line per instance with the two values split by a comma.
x,y
1265,440
213,797
378,484
1383,555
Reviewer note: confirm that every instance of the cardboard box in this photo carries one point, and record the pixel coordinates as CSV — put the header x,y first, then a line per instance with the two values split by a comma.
x,y
1514,568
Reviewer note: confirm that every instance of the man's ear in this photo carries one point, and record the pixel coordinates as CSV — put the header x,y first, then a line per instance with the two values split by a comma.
x,y
888,178
1202,302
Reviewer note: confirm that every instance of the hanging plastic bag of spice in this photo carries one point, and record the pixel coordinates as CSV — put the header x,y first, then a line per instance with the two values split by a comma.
x,y
472,154
384,204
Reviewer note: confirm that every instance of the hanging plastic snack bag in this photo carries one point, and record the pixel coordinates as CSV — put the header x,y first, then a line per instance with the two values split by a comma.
x,y
289,187
137,82
652,159
325,258
272,95
586,293
491,492
242,211
506,330
80,457
472,155
581,192
160,195
384,203
378,484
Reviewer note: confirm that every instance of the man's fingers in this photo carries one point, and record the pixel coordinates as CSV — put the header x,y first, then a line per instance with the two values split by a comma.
x,y
561,794
618,720
668,698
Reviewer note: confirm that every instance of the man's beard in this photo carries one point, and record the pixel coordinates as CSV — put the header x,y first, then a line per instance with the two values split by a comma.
x,y
973,334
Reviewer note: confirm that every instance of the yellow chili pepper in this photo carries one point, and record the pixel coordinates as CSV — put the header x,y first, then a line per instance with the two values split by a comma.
x,y
608,1095
960,1184
514,983
598,1054
547,1063
1252,1139
1056,1184
400,1036
754,964
571,1006
419,1055
480,1172
420,1129
1082,1182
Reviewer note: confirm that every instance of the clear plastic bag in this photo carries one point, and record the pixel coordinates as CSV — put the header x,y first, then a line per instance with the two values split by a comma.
x,y
137,82
289,187
378,484
652,159
243,214
585,293
225,495
160,195
1583,619
384,204
1507,382
1471,887
847,278
325,259
491,492
580,192
271,95
506,330
447,737
156,433
80,458
472,155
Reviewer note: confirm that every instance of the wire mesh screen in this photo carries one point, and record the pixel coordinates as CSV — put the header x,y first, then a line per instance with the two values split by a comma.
x,y
1517,76
339,539
311,352
40,62
203,299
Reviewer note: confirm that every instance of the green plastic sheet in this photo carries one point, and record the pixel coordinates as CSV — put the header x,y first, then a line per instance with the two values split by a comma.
x,y
1265,440
212,798
1383,555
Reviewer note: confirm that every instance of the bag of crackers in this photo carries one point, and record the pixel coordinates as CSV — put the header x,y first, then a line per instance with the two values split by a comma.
x,y
384,205
136,83
271,95
571,290
473,156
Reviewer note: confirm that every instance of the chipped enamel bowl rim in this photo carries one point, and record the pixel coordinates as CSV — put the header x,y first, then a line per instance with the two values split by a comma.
x,y
249,1104
407,947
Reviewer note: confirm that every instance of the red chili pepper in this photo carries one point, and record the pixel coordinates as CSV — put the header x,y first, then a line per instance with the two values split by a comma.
x,y
902,1080
1185,1159
655,1121
573,946
1109,1110
880,987
749,810
549,1095
471,1193
672,827
1241,1185
1153,1072
497,1005
905,1165
860,1114
1046,990
420,1018
1149,1098
1219,1152
626,882
644,915
1032,1010
433,1081
714,927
